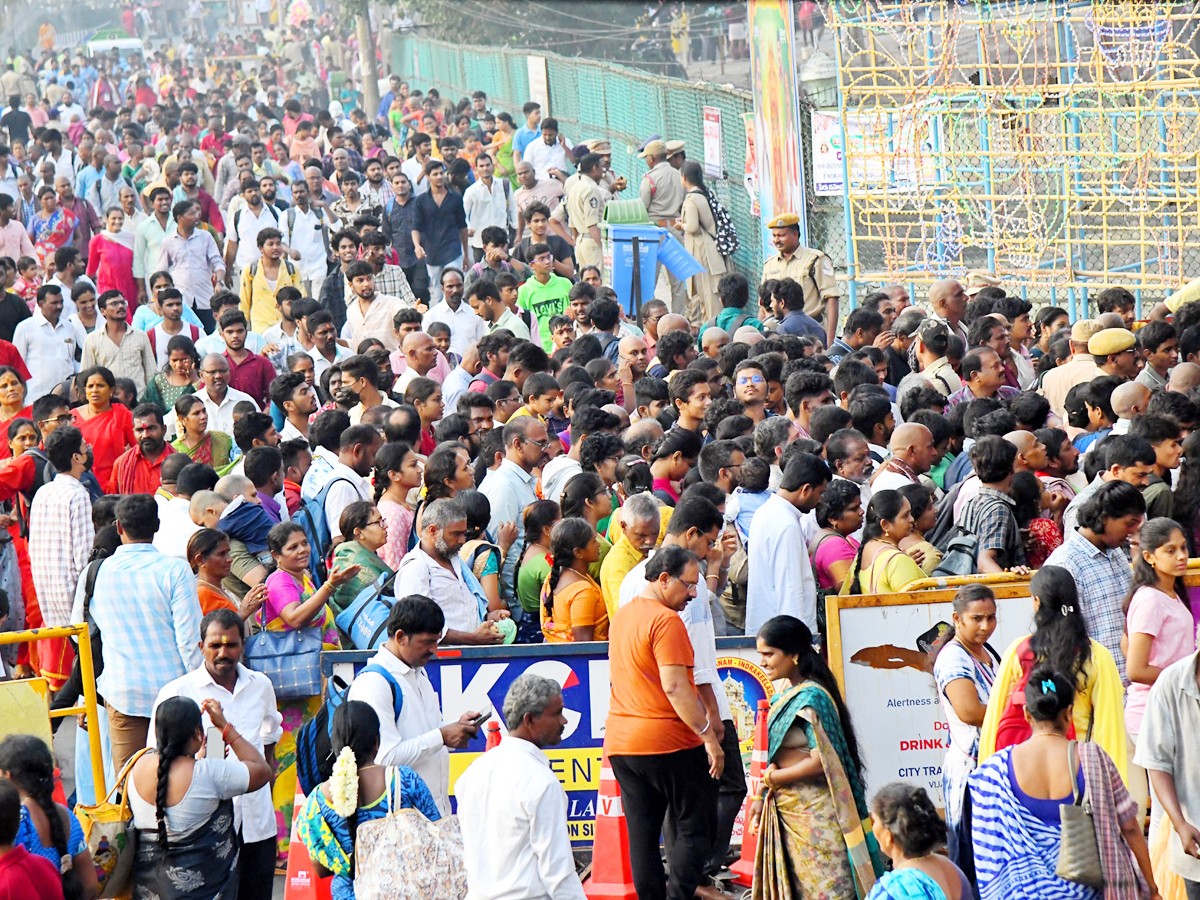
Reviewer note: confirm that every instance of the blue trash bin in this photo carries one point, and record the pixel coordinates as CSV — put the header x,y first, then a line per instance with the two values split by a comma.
x,y
622,237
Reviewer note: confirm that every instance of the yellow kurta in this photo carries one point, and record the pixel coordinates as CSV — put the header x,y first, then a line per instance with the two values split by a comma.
x,y
1101,697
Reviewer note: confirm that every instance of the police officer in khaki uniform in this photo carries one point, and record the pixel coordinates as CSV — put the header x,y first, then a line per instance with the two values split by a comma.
x,y
611,182
676,155
812,269
662,194
585,202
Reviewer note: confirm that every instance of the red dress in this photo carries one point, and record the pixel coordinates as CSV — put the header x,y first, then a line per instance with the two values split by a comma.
x,y
110,265
110,434
5,450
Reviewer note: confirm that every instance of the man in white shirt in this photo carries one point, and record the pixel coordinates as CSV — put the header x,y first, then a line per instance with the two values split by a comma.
x,y
488,202
416,738
47,342
433,569
912,454
513,809
345,475
306,234
420,356
248,702
465,327
781,575
550,154
414,166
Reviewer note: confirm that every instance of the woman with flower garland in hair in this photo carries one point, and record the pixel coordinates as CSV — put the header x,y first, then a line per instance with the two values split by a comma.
x,y
356,792
183,806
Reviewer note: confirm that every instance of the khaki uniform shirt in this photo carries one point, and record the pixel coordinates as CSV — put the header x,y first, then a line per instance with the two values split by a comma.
x,y
813,270
662,193
585,205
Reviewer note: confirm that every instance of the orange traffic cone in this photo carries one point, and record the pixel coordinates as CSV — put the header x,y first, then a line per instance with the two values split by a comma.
x,y
743,869
302,881
612,876
493,736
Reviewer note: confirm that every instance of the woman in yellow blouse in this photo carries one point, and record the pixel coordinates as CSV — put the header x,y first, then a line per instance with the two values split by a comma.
x,y
881,567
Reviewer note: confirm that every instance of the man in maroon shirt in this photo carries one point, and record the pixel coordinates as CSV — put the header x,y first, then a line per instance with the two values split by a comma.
x,y
248,372
139,469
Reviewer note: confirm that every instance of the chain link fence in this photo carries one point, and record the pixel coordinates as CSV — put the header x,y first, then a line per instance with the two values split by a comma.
x,y
601,100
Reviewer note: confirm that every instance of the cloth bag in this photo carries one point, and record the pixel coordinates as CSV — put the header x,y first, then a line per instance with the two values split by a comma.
x,y
405,856
109,833
291,659
1079,851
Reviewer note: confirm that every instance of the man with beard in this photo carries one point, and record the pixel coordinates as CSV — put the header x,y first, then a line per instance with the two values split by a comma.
x,y
1062,461
433,569
374,189
913,453
399,216
369,314
139,469
805,393
269,189
465,326
248,703
292,393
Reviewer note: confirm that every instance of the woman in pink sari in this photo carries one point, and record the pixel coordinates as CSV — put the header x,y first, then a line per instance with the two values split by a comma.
x,y
110,260
51,227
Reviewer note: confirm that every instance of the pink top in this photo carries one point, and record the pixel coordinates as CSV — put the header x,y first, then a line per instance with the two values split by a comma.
x,y
1169,622
282,591
832,549
399,521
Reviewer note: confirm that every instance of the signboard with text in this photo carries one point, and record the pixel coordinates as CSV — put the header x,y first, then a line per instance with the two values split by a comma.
x,y
477,677
878,649
714,164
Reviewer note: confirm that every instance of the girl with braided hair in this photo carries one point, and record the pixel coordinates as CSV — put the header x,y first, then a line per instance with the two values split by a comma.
x,y
572,605
186,846
47,829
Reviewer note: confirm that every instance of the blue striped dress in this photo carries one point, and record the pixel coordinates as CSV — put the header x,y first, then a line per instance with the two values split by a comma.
x,y
1016,838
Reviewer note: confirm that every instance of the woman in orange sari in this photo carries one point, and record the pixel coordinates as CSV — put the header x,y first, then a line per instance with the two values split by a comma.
x,y
12,403
208,555
106,426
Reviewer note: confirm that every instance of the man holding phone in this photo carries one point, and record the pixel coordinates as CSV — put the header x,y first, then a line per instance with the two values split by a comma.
x,y
417,738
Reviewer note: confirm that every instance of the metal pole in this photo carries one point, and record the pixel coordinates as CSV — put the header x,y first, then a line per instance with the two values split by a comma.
x,y
87,675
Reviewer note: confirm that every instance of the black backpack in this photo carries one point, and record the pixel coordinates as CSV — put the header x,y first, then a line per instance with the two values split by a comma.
x,y
726,236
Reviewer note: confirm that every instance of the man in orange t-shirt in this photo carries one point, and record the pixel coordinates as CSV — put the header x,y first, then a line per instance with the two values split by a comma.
x,y
662,747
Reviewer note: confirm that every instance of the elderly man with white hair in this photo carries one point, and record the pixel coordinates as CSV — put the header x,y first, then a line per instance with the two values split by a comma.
x,y
512,808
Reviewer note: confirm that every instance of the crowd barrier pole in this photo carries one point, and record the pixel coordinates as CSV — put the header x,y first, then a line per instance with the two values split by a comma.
x,y
88,675
743,869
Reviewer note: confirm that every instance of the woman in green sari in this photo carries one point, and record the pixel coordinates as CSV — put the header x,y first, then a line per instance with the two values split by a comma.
x,y
812,816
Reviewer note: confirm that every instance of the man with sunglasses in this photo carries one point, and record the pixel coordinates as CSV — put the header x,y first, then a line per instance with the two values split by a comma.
x,y
510,487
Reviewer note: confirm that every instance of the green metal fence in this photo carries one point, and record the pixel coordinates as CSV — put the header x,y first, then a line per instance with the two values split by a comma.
x,y
594,99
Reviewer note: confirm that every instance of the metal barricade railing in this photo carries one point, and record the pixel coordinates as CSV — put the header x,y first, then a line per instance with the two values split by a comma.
x,y
954,581
88,676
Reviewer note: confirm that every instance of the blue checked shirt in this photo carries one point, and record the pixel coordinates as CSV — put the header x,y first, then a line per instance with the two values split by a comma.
x,y
147,610
1103,578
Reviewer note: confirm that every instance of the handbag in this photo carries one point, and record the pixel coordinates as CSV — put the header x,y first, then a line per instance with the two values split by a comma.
x,y
1078,851
109,833
405,856
364,621
290,659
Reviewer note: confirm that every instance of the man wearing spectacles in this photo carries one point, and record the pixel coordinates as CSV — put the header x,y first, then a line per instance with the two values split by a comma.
x,y
510,486
750,387
123,351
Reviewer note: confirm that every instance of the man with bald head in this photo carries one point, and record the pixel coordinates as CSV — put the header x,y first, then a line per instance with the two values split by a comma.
x,y
420,357
912,455
948,301
1129,400
633,350
1031,452
641,436
713,341
899,295
1184,377
673,322
748,335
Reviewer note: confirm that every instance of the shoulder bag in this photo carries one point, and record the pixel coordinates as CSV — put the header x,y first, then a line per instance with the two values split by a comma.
x,y
109,833
290,659
1079,851
405,856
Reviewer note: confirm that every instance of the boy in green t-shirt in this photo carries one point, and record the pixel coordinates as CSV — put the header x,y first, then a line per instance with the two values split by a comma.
x,y
545,294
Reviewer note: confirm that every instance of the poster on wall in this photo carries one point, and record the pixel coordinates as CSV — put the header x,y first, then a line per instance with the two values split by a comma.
x,y
750,176
474,678
539,85
714,164
776,110
885,151
887,681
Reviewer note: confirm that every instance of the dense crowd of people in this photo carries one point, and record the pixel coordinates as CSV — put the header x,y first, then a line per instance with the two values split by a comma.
x,y
271,361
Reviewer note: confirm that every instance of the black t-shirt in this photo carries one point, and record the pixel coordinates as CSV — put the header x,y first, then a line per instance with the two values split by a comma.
x,y
18,124
560,248
13,310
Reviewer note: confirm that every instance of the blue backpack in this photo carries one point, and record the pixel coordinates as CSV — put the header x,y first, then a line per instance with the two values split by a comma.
x,y
364,620
311,518
314,741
